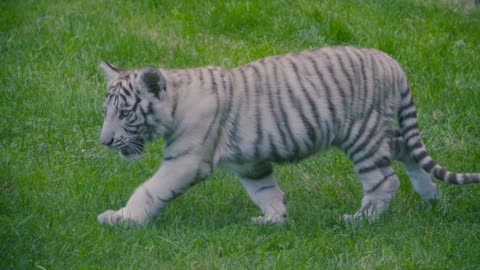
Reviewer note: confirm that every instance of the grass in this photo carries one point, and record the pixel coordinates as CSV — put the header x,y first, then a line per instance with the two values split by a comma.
x,y
55,177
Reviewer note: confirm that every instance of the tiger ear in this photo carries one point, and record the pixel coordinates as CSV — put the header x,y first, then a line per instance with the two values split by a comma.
x,y
152,80
111,71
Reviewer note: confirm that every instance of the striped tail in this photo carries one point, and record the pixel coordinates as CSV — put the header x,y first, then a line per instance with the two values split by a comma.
x,y
407,117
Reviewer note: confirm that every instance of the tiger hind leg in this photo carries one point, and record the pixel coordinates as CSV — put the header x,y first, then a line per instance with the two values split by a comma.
x,y
260,185
371,157
421,180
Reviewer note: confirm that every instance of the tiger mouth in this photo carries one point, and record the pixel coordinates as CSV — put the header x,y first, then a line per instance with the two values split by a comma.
x,y
133,149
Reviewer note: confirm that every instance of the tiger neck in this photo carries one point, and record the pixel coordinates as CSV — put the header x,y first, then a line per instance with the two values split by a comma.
x,y
191,86
196,96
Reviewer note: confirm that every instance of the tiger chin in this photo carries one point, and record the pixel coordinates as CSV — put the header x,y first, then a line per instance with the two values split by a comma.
x,y
275,109
132,151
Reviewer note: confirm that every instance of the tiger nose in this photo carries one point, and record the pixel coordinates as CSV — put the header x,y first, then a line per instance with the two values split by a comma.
x,y
106,138
107,142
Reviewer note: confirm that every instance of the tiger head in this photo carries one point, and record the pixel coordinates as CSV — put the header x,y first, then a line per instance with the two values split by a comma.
x,y
136,109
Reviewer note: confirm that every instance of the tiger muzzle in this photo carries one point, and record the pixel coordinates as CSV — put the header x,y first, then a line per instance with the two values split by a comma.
x,y
106,137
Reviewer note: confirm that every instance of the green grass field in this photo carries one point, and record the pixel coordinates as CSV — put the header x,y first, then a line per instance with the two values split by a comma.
x,y
55,177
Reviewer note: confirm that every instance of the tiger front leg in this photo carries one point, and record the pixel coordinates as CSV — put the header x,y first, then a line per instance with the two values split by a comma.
x,y
173,178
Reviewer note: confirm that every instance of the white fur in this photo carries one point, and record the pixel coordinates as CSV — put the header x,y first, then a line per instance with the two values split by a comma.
x,y
211,118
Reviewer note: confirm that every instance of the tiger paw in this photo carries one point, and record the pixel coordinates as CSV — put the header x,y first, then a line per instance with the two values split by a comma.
x,y
360,217
348,217
109,217
122,216
274,219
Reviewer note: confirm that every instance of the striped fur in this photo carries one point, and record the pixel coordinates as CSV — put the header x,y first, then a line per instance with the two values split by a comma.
x,y
276,109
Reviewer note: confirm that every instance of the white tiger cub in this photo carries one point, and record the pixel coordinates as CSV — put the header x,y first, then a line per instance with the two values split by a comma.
x,y
275,109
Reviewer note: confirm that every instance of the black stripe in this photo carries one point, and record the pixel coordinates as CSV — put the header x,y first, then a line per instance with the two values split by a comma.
x,y
410,115
407,106
441,173
296,147
188,78
200,76
173,195
379,184
380,163
421,156
323,131
298,105
377,88
265,188
360,145
126,91
452,178
329,92
273,110
328,96
347,136
273,149
172,137
258,112
212,81
234,140
318,118
201,175
414,135
338,85
165,201
150,108
143,113
112,67
245,85
131,88
229,106
370,154
385,80
116,102
313,109
360,132
470,178
417,145
407,129
217,105
135,104
429,166
363,80
174,105
132,130
124,98
388,81
228,91
178,155
258,171
149,196
398,149
133,124
343,67
467,178
405,93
